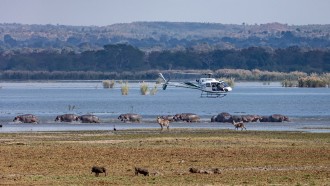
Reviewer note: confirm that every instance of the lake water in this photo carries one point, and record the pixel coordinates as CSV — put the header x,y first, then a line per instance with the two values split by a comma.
x,y
308,108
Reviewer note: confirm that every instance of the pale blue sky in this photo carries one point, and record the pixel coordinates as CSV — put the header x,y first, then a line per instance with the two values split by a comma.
x,y
106,12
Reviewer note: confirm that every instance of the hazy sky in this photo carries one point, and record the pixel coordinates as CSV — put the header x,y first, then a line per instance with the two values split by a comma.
x,y
106,12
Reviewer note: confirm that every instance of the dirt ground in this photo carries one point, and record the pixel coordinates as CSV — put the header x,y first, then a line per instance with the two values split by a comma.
x,y
241,157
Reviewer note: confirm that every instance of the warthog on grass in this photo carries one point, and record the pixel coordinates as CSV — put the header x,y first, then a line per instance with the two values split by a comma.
x,y
97,170
142,171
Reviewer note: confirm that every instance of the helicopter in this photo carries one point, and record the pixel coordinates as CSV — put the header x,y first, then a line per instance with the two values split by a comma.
x,y
209,87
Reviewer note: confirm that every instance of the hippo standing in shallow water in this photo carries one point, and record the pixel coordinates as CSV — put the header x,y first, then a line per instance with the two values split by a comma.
x,y
88,119
66,118
223,117
26,118
274,118
130,117
278,118
188,117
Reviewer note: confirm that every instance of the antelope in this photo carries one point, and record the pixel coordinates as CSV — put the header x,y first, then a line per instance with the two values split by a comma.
x,y
239,125
163,122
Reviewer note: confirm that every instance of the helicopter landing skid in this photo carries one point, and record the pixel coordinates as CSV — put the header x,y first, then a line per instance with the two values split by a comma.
x,y
212,95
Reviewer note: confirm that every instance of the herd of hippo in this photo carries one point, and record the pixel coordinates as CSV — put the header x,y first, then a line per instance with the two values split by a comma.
x,y
226,117
131,117
30,118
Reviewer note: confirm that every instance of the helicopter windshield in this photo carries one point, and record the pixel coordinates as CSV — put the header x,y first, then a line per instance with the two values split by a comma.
x,y
225,84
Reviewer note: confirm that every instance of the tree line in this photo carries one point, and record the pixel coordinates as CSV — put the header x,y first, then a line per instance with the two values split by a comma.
x,y
121,58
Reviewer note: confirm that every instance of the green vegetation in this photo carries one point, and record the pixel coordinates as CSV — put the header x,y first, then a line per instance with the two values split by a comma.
x,y
129,62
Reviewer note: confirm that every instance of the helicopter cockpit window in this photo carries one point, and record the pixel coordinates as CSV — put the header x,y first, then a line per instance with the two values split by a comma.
x,y
225,84
208,84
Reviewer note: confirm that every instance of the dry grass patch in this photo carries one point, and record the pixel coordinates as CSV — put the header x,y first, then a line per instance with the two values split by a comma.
x,y
252,158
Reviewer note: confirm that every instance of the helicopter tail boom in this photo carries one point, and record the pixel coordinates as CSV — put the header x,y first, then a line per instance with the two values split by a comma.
x,y
165,81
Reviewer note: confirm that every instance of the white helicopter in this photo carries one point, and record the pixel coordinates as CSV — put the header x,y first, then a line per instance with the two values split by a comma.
x,y
210,87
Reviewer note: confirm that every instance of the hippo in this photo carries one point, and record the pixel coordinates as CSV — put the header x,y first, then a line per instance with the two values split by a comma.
x,y
188,117
224,117
168,117
237,118
213,119
177,117
88,119
66,118
26,118
130,117
278,118
264,119
251,118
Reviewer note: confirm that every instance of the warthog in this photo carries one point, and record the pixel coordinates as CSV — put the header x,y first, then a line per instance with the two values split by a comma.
x,y
26,118
239,125
66,118
130,117
98,170
143,171
163,123
88,119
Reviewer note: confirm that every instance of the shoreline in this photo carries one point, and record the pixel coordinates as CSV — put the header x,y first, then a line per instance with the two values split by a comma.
x,y
293,126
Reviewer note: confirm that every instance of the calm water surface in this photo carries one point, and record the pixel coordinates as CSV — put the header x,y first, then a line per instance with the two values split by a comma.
x,y
309,108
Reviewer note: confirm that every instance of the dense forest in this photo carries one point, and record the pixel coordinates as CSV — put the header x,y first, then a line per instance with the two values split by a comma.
x,y
151,36
126,58
140,49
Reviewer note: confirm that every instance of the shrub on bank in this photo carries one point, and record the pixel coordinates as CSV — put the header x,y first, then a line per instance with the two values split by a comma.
x,y
154,90
144,88
124,89
314,80
108,83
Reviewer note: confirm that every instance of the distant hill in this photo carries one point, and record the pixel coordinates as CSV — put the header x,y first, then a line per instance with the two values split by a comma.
x,y
157,36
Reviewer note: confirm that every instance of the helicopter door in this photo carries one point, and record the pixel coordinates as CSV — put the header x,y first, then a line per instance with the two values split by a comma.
x,y
214,86
208,86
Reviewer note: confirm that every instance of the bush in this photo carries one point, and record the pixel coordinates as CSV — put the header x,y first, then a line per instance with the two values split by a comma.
x,y
124,89
144,89
108,83
154,90
229,81
313,81
289,83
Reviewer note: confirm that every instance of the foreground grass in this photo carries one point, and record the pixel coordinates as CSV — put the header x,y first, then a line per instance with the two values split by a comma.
x,y
244,158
